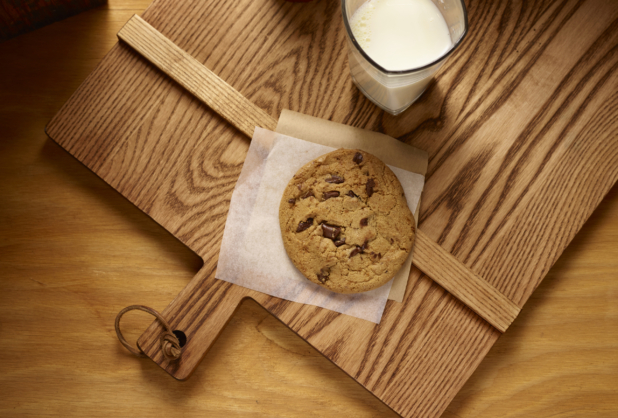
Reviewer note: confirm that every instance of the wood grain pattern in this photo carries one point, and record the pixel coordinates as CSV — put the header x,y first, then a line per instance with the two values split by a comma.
x,y
462,283
196,78
520,126
432,260
73,252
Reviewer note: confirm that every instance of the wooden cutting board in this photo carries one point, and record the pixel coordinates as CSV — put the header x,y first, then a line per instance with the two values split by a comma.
x,y
520,126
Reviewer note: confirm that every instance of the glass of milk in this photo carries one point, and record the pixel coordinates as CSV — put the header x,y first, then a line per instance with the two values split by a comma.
x,y
396,46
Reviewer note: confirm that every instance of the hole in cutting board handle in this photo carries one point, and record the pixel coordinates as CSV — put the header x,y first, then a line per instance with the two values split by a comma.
x,y
182,337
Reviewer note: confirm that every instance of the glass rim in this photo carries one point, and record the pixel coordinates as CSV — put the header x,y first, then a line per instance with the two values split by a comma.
x,y
348,29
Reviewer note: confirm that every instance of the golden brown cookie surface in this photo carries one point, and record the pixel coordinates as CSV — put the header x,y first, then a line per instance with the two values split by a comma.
x,y
345,221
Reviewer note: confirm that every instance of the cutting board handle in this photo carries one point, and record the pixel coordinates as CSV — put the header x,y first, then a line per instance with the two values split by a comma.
x,y
200,311
429,257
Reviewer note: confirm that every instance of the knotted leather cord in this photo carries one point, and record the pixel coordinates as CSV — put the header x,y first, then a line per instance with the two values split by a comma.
x,y
170,346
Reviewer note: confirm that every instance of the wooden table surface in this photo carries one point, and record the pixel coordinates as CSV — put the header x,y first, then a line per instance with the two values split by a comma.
x,y
73,252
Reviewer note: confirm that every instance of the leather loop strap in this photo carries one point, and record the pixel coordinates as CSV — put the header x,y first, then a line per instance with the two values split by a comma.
x,y
169,342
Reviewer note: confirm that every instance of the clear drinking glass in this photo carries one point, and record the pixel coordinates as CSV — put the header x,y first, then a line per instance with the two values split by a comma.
x,y
395,91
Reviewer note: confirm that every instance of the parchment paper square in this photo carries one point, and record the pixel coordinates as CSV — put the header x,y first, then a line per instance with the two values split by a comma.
x,y
252,253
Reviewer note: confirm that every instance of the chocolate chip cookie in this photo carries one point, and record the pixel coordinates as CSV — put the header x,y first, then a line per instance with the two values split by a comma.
x,y
345,221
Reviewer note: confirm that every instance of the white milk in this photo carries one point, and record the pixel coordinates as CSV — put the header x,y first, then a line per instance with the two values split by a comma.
x,y
399,35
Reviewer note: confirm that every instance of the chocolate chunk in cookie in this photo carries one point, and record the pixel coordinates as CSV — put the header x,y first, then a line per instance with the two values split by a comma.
x,y
304,225
335,179
369,187
332,193
356,232
330,231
